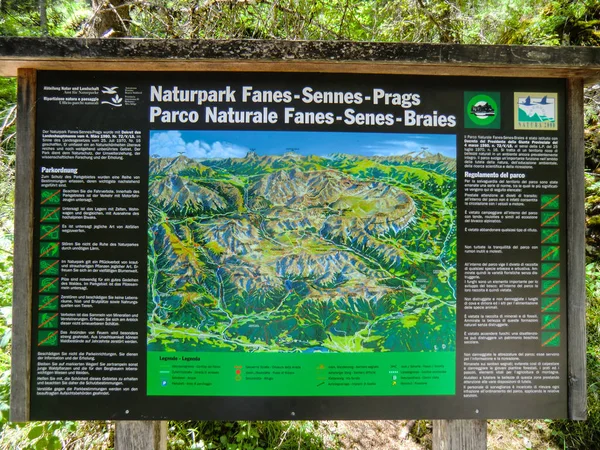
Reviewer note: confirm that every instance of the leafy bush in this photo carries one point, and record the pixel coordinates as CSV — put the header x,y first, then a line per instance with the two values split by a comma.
x,y
22,17
244,435
586,434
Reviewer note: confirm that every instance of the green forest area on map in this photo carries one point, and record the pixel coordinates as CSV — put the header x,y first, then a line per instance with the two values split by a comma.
x,y
294,253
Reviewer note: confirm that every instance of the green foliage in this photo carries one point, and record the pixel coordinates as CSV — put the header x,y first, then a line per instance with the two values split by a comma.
x,y
571,23
592,210
8,115
19,19
559,22
299,19
56,435
468,22
592,128
7,153
22,18
8,92
586,434
66,18
245,435
278,19
5,314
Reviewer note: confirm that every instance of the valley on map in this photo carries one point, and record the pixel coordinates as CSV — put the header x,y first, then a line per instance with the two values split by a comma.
x,y
291,252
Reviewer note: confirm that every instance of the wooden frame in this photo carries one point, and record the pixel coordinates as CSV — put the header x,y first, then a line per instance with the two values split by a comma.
x,y
296,56
576,252
577,65
22,280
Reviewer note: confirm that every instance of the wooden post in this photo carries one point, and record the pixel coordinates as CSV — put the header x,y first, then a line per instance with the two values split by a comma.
x,y
23,249
459,434
576,294
140,435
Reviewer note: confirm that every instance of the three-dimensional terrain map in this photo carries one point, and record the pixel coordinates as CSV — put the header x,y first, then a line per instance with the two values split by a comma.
x,y
300,250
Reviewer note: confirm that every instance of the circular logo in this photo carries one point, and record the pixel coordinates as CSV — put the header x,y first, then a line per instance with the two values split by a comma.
x,y
482,109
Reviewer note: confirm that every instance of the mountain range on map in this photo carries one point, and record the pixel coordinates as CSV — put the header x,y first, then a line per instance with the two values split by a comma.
x,y
291,253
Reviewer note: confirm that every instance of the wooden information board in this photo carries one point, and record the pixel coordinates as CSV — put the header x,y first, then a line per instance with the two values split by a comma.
x,y
275,244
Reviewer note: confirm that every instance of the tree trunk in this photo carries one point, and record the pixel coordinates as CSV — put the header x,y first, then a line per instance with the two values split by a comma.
x,y
43,17
110,19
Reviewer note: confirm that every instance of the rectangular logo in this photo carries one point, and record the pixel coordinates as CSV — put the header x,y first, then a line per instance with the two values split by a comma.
x,y
536,111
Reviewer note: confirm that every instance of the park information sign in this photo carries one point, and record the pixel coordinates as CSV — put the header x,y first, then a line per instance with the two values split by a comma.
x,y
279,245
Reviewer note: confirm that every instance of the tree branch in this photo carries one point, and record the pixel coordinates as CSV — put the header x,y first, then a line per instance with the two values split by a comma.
x,y
343,19
444,36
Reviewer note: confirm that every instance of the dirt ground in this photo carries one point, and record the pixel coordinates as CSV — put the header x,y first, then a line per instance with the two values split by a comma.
x,y
378,434
395,435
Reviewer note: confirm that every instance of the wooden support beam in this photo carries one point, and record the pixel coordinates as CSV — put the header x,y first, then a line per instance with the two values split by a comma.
x,y
459,435
140,435
23,249
284,56
576,294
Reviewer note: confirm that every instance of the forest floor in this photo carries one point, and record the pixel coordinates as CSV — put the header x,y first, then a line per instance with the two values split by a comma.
x,y
394,435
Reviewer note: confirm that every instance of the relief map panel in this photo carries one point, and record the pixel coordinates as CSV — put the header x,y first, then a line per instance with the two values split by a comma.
x,y
275,246
301,243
